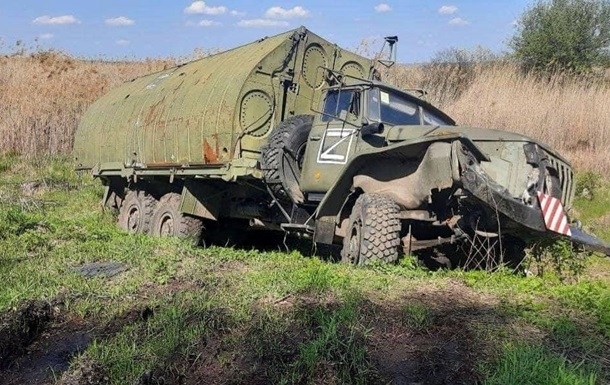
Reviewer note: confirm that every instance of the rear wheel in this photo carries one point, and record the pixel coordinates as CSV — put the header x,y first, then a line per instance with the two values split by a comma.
x,y
135,214
168,220
373,231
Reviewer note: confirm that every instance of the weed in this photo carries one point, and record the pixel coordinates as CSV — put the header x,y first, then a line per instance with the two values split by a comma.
x,y
530,364
560,256
15,221
416,316
7,161
587,183
594,212
315,277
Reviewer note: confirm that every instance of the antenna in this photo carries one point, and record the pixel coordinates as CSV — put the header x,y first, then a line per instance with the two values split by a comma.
x,y
390,41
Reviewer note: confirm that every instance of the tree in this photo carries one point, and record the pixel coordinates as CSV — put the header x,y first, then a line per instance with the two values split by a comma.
x,y
563,35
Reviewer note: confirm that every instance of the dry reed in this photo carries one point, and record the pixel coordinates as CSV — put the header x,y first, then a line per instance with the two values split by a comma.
x,y
44,94
570,115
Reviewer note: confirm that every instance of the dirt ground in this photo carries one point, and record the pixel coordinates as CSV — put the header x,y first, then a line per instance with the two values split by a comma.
x,y
38,343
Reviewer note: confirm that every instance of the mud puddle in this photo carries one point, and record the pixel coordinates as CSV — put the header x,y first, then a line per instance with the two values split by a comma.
x,y
37,344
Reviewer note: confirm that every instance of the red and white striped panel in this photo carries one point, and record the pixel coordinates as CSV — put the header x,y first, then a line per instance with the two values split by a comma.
x,y
555,217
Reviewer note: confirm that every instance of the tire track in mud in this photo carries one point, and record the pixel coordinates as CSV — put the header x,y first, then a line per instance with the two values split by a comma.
x,y
38,343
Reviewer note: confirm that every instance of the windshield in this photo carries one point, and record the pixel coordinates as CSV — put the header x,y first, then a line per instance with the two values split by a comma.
x,y
395,109
339,103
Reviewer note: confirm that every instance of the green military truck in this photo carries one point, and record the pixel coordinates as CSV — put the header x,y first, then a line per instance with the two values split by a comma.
x,y
292,133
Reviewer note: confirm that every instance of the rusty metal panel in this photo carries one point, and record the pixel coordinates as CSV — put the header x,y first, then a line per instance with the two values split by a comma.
x,y
211,110
180,115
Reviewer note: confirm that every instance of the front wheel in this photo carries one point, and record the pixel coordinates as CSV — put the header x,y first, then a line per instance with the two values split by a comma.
x,y
168,220
373,231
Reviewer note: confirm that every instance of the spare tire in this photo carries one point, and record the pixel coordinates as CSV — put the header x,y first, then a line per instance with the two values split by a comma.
x,y
282,157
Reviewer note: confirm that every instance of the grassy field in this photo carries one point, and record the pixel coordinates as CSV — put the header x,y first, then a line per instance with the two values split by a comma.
x,y
81,302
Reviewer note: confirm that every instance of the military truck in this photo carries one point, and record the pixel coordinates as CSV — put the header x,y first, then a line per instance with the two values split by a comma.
x,y
293,134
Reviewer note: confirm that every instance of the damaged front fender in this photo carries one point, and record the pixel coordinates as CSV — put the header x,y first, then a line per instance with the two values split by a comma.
x,y
406,171
498,199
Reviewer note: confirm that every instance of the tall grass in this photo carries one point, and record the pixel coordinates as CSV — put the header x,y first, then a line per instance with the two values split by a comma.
x,y
43,95
570,115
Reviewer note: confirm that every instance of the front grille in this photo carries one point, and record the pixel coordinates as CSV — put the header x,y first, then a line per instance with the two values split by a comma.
x,y
566,178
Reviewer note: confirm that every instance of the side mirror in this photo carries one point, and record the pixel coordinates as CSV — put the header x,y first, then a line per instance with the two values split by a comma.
x,y
371,128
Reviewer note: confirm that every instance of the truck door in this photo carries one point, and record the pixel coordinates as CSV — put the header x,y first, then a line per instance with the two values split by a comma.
x,y
332,141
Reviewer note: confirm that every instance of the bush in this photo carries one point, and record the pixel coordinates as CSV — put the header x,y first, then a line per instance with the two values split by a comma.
x,y
586,184
563,36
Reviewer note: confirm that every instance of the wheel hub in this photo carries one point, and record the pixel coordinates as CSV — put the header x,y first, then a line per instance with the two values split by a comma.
x,y
354,243
133,219
167,226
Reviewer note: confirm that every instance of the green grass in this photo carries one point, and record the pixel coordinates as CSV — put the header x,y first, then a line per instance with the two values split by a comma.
x,y
282,316
592,209
416,316
337,339
533,365
177,325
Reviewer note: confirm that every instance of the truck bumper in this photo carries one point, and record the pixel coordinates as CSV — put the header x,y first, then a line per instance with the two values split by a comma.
x,y
529,218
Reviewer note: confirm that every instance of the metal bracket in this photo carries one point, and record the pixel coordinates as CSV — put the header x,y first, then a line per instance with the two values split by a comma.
x,y
275,201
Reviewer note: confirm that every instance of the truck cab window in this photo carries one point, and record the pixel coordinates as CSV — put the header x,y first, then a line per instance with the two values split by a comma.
x,y
432,120
396,109
339,103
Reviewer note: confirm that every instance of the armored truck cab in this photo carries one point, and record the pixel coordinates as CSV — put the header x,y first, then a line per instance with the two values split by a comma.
x,y
437,183
291,133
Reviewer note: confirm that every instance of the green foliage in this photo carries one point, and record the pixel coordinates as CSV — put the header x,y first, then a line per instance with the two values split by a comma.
x,y
15,221
531,364
560,256
587,183
7,161
589,297
592,204
416,316
407,266
563,35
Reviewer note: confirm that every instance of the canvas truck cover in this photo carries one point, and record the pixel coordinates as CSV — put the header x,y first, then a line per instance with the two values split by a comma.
x,y
213,110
